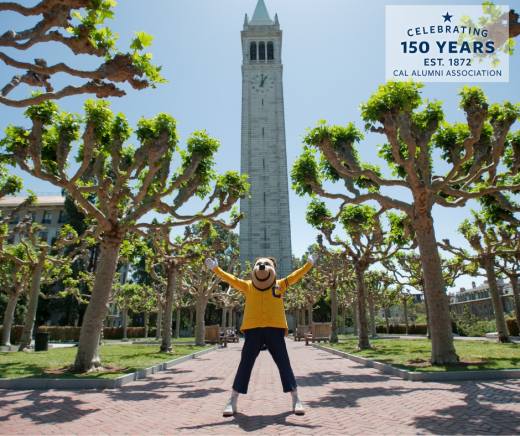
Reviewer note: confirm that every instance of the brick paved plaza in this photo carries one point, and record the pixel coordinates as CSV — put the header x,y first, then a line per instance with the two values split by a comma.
x,y
341,398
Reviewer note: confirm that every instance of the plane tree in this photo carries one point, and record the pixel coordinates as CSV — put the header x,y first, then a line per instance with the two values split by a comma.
x,y
472,165
488,241
168,255
42,264
509,265
115,184
79,26
333,267
380,292
368,240
216,242
14,283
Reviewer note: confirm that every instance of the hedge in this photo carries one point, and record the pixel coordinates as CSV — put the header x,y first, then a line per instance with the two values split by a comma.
x,y
400,329
69,333
420,329
16,333
512,326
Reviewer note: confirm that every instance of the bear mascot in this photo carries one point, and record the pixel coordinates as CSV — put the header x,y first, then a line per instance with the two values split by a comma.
x,y
264,324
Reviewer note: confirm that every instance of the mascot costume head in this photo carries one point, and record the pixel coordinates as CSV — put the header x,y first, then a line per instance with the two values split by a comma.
x,y
263,274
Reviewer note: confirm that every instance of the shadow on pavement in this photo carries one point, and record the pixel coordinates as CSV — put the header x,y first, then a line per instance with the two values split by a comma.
x,y
325,377
478,414
47,409
253,422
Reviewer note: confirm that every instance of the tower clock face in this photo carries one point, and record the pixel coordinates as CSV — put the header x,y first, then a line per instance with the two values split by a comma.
x,y
261,83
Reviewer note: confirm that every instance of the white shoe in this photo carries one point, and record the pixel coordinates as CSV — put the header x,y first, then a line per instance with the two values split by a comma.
x,y
231,406
298,408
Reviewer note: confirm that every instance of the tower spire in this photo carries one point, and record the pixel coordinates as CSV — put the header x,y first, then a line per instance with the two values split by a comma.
x,y
261,15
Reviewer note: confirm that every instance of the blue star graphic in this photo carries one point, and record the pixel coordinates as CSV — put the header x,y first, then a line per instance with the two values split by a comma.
x,y
447,17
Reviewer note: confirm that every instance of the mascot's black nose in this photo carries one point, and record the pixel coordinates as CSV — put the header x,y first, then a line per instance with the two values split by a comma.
x,y
261,267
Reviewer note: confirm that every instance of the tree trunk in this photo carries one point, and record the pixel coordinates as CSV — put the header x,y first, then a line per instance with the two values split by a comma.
x,y
191,321
428,330
124,314
515,286
177,323
166,344
443,349
496,299
386,311
87,356
355,317
363,341
158,322
32,306
223,322
309,313
334,314
146,324
8,319
372,314
405,310
200,328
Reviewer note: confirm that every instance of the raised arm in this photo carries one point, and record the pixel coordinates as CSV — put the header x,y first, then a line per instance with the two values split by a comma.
x,y
234,282
297,275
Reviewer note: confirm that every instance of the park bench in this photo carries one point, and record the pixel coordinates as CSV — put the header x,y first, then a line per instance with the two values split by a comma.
x,y
319,331
212,335
300,332
228,334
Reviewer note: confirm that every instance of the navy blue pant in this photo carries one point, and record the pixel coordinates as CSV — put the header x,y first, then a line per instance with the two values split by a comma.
x,y
274,339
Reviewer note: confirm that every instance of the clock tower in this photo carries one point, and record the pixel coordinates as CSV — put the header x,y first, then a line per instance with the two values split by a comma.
x,y
265,230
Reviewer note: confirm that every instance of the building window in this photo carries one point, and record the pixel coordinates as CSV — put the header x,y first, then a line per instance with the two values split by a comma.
x,y
43,236
62,217
47,217
252,51
261,51
270,51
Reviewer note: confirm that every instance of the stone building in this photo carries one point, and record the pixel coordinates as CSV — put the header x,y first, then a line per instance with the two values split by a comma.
x,y
265,230
48,211
478,301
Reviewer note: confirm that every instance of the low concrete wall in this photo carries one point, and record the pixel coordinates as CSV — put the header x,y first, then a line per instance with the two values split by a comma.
x,y
426,376
89,383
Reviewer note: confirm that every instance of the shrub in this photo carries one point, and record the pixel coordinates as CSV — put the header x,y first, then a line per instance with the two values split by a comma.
x,y
476,328
467,324
71,333
512,326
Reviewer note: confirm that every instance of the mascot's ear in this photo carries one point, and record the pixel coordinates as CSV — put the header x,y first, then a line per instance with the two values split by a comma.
x,y
272,259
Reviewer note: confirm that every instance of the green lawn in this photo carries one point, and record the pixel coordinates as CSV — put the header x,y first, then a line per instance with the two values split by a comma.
x,y
414,354
117,359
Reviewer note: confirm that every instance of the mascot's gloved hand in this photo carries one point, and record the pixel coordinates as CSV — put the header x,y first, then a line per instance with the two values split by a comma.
x,y
211,263
313,258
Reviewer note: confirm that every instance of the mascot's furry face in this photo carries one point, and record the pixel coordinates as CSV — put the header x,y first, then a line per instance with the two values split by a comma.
x,y
264,273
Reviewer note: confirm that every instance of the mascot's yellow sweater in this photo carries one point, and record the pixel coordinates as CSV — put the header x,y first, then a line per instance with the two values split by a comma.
x,y
263,308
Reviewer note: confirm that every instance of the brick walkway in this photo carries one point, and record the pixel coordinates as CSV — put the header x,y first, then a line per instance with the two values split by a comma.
x,y
341,398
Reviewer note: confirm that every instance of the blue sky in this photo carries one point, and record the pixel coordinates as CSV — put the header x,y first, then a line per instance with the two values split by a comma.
x,y
333,56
